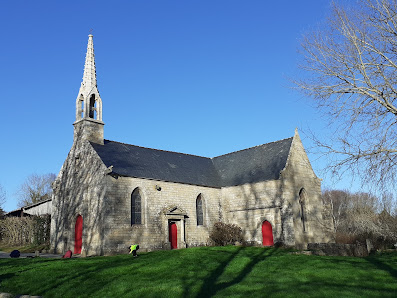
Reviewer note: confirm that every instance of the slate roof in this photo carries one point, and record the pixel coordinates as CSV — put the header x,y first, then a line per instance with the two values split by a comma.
x,y
260,163
135,161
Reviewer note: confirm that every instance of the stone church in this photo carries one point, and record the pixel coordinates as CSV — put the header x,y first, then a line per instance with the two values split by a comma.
x,y
109,195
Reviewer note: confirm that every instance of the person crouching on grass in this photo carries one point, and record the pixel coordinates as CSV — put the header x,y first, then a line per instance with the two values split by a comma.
x,y
133,249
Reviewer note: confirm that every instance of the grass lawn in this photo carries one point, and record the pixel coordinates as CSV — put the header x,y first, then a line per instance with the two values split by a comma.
x,y
203,272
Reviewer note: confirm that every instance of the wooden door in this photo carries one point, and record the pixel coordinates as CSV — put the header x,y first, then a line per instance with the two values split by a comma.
x,y
173,235
267,234
78,235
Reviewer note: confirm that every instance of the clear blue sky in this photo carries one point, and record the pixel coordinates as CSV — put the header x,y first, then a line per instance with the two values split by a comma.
x,y
203,77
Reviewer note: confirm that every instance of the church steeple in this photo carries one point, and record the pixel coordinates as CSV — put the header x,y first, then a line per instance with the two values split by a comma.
x,y
89,76
89,125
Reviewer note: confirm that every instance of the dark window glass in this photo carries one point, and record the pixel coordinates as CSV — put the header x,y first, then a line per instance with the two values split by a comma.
x,y
136,210
199,211
92,107
302,199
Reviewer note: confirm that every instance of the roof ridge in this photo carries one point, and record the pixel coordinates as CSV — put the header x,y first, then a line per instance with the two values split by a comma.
x,y
37,203
251,147
159,149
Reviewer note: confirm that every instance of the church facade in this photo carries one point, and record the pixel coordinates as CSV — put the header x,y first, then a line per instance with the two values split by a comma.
x,y
109,195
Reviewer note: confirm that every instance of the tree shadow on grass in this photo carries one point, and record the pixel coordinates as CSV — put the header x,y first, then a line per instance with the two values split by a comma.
x,y
64,276
382,266
223,259
210,286
4,277
84,271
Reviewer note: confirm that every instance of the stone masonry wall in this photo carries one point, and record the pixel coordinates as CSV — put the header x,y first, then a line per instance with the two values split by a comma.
x,y
249,205
79,190
153,232
89,129
298,176
278,202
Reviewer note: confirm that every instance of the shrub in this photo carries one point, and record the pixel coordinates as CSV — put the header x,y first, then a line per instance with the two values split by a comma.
x,y
224,234
41,233
25,230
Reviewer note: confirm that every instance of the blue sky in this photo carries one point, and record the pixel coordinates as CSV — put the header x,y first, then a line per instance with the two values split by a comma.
x,y
201,77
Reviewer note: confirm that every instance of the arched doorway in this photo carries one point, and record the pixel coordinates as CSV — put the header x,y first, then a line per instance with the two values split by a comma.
x,y
267,234
173,232
78,235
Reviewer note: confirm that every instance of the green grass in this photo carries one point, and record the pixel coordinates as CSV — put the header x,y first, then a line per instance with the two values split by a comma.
x,y
204,272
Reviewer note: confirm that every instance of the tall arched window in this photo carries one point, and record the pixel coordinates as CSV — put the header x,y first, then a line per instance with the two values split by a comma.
x,y
136,207
93,108
302,202
199,210
81,112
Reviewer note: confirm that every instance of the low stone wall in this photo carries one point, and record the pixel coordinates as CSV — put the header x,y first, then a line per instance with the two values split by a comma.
x,y
336,249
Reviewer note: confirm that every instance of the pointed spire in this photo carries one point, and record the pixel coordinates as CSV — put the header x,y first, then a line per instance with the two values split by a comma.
x,y
88,124
89,77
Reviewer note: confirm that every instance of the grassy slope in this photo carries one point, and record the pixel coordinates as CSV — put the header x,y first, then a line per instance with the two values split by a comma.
x,y
203,272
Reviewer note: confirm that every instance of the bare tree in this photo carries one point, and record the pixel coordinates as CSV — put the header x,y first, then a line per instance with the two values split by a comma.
x,y
36,188
350,70
360,216
338,200
2,200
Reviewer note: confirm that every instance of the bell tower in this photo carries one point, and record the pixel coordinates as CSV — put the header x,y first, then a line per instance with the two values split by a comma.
x,y
88,124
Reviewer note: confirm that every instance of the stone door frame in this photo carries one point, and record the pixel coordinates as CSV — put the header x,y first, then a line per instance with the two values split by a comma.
x,y
177,216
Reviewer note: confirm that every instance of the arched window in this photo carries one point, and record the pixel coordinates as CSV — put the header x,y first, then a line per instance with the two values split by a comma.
x,y
93,110
199,210
302,202
136,207
82,108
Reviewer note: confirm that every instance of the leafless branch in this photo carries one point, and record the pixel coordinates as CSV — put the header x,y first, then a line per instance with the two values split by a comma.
x,y
36,188
350,71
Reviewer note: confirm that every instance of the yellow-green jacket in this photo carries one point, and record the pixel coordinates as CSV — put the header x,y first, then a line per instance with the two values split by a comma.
x,y
133,247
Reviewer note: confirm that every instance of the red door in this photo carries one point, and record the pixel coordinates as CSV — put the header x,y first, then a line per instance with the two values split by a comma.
x,y
173,235
267,234
78,235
